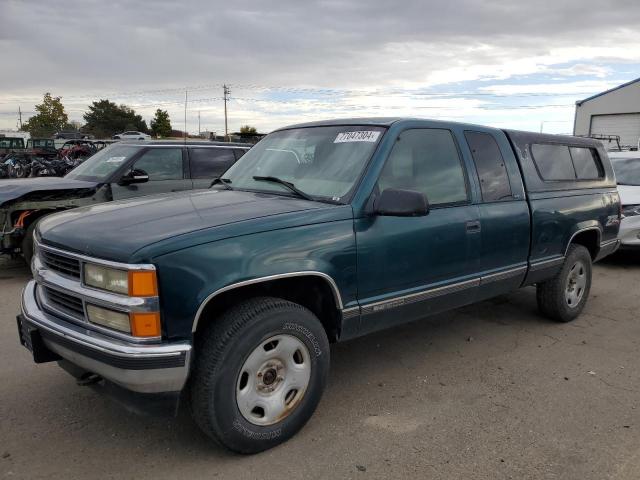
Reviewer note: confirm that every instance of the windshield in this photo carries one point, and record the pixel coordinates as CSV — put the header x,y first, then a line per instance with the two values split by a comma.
x,y
323,162
99,167
627,170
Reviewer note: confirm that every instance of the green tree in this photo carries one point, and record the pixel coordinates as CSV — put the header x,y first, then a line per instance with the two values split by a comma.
x,y
248,131
50,117
105,119
161,125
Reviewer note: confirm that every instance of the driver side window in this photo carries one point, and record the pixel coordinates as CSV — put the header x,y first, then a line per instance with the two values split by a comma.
x,y
161,164
426,160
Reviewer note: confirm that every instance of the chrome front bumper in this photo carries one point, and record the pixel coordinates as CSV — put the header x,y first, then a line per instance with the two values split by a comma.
x,y
143,368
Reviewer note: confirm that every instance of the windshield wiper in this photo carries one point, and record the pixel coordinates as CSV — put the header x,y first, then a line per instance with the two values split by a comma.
x,y
222,181
289,185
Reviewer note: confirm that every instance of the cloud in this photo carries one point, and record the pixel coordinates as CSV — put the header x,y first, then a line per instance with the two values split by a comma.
x,y
91,49
564,88
582,69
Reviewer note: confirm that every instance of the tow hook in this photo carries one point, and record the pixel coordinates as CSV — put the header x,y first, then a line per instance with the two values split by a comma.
x,y
88,379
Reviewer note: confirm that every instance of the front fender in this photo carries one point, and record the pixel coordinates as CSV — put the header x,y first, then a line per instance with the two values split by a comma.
x,y
188,278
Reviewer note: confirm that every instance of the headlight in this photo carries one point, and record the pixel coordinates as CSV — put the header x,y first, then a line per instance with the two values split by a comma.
x,y
106,278
135,283
630,210
139,324
109,318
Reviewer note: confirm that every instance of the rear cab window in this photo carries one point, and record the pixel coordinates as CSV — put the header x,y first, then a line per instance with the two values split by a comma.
x,y
490,165
586,163
562,162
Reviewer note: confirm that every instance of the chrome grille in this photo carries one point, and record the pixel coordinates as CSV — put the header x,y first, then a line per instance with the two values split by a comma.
x,y
60,263
64,302
61,293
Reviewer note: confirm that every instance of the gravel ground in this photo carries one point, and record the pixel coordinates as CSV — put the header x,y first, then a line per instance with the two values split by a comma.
x,y
489,391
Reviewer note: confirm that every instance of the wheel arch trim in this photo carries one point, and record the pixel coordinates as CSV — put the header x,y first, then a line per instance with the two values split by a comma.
x,y
307,273
582,230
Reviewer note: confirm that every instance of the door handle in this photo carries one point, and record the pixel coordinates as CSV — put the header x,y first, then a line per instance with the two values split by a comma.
x,y
473,226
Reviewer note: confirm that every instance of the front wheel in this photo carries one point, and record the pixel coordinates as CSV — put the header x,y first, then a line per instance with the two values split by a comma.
x,y
259,374
563,297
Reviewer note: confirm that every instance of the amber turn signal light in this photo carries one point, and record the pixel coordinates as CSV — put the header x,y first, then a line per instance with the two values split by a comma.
x,y
145,324
143,283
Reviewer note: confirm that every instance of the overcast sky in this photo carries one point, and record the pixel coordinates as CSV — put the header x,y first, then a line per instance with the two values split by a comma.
x,y
505,63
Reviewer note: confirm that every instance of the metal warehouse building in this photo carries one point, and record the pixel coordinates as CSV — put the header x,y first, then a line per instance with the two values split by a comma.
x,y
614,112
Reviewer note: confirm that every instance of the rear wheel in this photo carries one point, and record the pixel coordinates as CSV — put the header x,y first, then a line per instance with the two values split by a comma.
x,y
259,373
563,297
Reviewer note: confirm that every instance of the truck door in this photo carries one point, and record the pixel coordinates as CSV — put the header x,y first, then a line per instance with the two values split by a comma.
x,y
504,214
409,267
167,172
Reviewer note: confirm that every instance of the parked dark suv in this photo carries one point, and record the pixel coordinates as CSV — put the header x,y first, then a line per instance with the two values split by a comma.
x,y
114,173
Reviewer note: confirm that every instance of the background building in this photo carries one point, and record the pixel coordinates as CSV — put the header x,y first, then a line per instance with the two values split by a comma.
x,y
614,112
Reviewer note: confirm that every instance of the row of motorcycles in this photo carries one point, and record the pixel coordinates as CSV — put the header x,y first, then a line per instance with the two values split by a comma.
x,y
23,166
40,162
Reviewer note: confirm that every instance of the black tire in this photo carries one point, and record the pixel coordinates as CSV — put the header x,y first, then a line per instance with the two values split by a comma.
x,y
554,299
27,242
20,171
221,352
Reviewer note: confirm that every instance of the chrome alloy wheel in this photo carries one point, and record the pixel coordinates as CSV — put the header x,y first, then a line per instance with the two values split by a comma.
x,y
273,380
576,283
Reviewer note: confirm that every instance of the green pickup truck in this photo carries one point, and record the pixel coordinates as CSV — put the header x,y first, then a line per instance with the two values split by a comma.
x,y
229,298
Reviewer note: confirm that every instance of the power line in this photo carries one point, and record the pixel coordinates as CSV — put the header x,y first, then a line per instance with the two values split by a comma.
x,y
91,96
300,90
317,98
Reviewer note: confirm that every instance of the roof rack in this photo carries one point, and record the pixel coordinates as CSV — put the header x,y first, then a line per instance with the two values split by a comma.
x,y
608,138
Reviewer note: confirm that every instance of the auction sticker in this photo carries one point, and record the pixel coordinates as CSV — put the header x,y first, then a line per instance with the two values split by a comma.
x,y
115,159
359,136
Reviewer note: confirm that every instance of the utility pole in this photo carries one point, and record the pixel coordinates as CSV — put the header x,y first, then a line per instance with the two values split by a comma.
x,y
185,116
19,118
198,122
226,92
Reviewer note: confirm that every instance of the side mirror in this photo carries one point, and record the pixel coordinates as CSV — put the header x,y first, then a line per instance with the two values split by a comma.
x,y
134,176
393,202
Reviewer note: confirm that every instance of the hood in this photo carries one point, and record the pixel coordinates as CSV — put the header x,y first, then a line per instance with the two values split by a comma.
x,y
629,194
116,230
15,188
